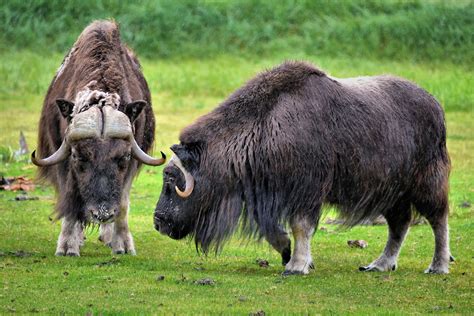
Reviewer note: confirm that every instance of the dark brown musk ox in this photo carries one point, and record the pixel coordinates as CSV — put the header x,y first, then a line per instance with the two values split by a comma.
x,y
293,139
96,117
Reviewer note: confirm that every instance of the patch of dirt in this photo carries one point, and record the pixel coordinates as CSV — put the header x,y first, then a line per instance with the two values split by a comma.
x,y
357,243
205,281
112,261
25,197
18,253
160,278
465,204
262,263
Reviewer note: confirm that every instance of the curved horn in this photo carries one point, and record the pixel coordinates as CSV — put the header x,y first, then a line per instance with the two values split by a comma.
x,y
142,156
117,125
60,154
189,179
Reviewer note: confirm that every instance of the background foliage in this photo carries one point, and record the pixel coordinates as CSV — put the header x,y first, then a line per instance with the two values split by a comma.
x,y
414,30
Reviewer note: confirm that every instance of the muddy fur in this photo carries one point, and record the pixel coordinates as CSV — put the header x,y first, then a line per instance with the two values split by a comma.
x,y
293,139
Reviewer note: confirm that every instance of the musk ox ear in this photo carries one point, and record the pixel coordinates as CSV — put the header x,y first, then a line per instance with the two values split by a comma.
x,y
133,109
183,153
65,107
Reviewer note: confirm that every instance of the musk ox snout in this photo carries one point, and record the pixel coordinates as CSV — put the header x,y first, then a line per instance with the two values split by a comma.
x,y
166,225
162,223
101,213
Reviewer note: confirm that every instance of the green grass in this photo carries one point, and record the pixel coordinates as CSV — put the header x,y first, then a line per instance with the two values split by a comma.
x,y
391,29
182,90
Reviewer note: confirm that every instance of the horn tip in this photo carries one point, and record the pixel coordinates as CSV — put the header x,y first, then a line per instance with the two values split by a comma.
x,y
33,157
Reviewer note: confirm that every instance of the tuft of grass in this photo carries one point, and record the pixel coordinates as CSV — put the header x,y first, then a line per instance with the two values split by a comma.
x,y
405,30
6,154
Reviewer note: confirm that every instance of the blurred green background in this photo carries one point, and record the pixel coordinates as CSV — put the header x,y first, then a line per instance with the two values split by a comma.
x,y
413,30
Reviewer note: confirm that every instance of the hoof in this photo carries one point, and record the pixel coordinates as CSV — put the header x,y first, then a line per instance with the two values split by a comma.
x,y
286,256
60,253
72,254
374,268
436,271
311,266
118,252
132,252
451,259
292,272
369,269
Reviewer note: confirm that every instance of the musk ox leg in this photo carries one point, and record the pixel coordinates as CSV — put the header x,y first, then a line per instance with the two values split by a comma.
x,y
122,240
106,232
442,255
70,239
281,243
431,200
398,221
301,260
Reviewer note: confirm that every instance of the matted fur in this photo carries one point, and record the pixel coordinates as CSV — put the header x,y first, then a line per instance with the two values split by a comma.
x,y
293,138
100,62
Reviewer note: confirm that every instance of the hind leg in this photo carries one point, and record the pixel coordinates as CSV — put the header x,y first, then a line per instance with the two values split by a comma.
x,y
442,255
301,261
398,221
281,243
435,208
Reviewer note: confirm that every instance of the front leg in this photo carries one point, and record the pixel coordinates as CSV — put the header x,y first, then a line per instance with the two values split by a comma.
x,y
281,243
301,261
106,232
70,239
122,240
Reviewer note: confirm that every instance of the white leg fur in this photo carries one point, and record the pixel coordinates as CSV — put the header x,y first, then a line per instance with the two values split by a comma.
x,y
122,240
388,259
70,239
441,258
301,260
106,232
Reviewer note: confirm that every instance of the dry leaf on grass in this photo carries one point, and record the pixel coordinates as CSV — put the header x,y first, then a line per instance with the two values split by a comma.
x,y
16,184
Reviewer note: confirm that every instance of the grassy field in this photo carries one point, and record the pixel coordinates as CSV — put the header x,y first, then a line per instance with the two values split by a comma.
x,y
32,279
194,54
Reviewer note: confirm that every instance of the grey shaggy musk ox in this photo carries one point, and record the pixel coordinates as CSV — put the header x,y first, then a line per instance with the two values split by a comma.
x,y
96,117
292,139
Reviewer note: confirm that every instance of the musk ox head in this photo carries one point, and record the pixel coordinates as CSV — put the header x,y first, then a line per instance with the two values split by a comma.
x,y
200,197
97,152
176,210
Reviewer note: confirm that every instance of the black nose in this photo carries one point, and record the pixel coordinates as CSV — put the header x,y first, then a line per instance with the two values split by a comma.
x,y
159,220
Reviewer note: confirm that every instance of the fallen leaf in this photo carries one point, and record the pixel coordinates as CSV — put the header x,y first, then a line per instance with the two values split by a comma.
x,y
16,184
357,243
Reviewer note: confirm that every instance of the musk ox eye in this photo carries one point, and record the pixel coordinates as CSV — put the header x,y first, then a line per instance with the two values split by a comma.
x,y
78,158
122,161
